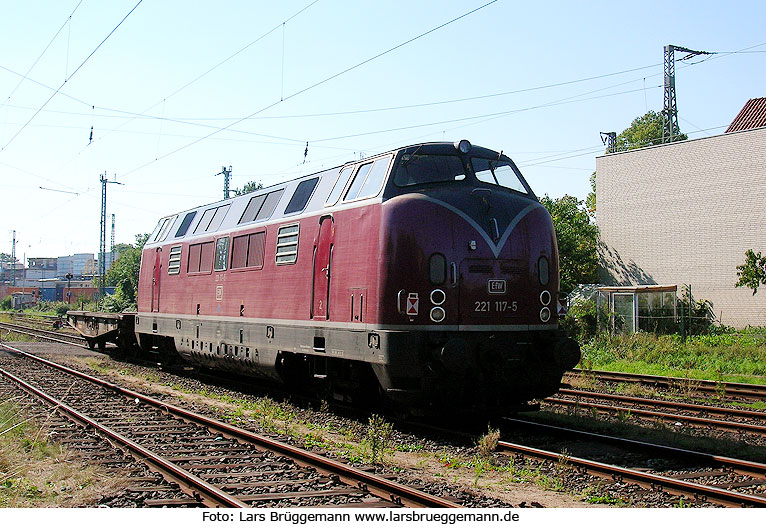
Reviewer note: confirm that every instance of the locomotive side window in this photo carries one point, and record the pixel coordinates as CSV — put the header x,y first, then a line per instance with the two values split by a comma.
x,y
206,257
220,213
270,204
204,221
287,244
261,206
339,185
159,230
247,250
211,219
174,260
166,228
356,184
301,195
192,265
416,169
374,178
200,258
252,208
368,179
239,252
185,224
156,231
497,172
256,248
221,253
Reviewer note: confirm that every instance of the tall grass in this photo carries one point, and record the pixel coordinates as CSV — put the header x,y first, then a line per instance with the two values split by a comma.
x,y
738,356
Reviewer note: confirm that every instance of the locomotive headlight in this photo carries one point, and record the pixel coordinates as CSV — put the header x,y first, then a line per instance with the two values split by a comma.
x,y
545,298
438,297
545,315
438,314
464,146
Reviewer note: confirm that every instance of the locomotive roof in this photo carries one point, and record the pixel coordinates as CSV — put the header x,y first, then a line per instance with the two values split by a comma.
x,y
229,214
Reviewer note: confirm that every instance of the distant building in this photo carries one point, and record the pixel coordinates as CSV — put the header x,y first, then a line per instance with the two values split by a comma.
x,y
686,212
79,265
40,268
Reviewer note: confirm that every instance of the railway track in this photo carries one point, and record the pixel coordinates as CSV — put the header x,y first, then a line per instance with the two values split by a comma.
x,y
215,464
703,477
750,421
687,385
710,480
47,335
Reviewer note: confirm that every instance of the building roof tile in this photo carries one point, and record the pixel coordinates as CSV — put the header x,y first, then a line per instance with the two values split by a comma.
x,y
752,115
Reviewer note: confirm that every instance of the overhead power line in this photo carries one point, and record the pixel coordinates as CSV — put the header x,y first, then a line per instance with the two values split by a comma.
x,y
70,77
208,71
315,85
25,76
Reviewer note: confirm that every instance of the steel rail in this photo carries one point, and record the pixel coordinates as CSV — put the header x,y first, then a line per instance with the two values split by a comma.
x,y
711,386
382,487
653,481
52,336
739,465
699,421
214,495
667,403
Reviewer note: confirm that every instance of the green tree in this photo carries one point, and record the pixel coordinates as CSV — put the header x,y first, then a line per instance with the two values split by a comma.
x,y
251,186
644,131
753,272
577,237
590,201
123,274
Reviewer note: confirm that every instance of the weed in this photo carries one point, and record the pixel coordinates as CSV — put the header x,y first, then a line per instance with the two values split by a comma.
x,y
378,437
487,444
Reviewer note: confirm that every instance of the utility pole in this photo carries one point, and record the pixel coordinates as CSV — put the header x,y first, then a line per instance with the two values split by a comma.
x,y
111,249
13,258
102,239
670,110
226,178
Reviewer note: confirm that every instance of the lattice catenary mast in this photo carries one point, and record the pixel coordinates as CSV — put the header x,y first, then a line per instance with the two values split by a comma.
x,y
670,110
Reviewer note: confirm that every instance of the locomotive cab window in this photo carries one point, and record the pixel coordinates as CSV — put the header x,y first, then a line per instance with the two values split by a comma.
x,y
497,172
414,169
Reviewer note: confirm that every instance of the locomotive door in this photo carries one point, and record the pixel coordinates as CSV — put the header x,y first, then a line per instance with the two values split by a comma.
x,y
156,274
320,294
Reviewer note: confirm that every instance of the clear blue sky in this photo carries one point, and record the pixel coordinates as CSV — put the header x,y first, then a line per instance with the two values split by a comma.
x,y
164,123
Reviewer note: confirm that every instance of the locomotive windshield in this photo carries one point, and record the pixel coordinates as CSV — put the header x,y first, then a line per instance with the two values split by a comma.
x,y
424,169
497,172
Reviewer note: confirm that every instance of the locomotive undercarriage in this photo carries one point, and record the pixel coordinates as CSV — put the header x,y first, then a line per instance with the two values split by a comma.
x,y
498,371
415,369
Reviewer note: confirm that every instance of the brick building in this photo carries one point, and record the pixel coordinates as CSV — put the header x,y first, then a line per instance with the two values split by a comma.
x,y
685,213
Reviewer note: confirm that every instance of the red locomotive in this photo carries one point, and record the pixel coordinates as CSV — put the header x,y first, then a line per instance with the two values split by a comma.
x,y
428,274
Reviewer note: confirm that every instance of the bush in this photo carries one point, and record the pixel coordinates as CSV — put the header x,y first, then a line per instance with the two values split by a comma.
x,y
112,304
5,304
584,320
